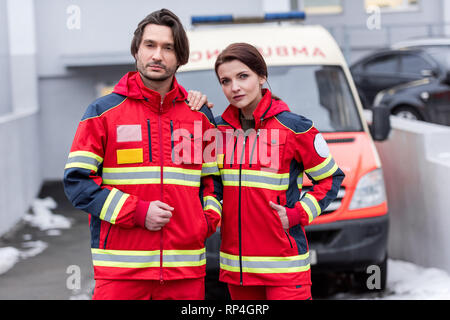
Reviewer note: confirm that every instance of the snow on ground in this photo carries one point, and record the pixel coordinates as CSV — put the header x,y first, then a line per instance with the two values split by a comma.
x,y
408,281
43,218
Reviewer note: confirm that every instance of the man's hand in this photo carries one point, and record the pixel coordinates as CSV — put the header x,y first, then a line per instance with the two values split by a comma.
x,y
158,215
196,100
282,213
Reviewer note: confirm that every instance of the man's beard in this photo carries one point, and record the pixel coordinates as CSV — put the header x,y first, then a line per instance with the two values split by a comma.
x,y
161,77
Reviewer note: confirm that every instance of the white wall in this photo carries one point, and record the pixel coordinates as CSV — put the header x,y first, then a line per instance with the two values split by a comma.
x,y
20,138
416,166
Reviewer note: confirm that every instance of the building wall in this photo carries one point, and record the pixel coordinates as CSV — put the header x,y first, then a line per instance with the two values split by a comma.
x,y
20,134
5,101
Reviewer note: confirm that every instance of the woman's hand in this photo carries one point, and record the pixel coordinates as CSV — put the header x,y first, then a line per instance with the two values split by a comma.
x,y
282,213
196,100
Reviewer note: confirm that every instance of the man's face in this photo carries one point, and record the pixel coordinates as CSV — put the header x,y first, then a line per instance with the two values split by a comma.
x,y
156,59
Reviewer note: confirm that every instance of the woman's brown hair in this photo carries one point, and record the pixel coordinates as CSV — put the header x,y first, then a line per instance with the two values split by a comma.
x,y
164,17
248,55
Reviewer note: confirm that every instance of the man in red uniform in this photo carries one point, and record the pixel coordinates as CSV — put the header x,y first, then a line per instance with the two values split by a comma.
x,y
151,207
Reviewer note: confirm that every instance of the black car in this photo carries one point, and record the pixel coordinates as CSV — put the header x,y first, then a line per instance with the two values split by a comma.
x,y
413,81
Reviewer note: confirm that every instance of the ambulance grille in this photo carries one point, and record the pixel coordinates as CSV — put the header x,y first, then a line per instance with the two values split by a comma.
x,y
334,205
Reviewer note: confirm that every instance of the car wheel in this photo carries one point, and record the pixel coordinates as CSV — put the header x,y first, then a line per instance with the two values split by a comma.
x,y
407,113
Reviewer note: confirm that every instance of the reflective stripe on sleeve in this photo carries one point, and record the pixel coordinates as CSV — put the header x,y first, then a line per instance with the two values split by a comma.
x,y
209,202
210,168
311,206
323,170
113,205
84,160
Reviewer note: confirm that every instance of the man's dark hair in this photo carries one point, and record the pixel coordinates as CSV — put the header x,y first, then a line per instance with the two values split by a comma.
x,y
164,17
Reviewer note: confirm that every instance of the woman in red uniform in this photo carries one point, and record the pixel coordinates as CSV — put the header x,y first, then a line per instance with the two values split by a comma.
x,y
265,151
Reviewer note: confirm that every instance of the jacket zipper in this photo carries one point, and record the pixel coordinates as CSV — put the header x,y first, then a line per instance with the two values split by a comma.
x,y
239,213
107,235
149,141
253,148
161,155
171,140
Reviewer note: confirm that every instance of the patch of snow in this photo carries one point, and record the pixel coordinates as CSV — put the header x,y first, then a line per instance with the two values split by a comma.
x,y
33,248
8,258
43,218
410,281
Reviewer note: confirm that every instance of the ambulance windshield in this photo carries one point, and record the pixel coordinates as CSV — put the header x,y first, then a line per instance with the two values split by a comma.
x,y
320,93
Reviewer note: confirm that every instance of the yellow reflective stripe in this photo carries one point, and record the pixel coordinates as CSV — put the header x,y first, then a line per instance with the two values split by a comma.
x,y
311,206
210,168
144,259
297,263
107,203
324,169
118,207
212,203
112,206
84,160
151,175
81,165
255,179
308,211
86,154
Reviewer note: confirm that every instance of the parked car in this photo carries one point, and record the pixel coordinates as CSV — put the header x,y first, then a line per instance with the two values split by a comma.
x,y
412,79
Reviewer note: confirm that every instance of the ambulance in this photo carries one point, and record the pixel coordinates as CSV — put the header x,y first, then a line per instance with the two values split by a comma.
x,y
308,71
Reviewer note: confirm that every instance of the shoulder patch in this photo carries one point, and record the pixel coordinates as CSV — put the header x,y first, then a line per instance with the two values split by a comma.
x,y
294,122
103,104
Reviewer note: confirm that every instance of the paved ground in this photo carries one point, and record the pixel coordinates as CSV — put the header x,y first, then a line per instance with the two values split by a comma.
x,y
44,276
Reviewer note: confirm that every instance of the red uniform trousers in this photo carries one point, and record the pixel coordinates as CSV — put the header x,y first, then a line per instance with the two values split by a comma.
x,y
300,292
185,289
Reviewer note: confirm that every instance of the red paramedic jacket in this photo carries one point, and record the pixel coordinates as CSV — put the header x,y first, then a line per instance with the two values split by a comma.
x,y
122,158
267,164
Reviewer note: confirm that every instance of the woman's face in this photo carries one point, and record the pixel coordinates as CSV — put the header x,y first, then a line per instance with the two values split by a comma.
x,y
241,85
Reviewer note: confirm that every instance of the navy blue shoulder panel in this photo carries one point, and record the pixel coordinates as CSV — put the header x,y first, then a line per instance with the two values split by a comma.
x,y
220,122
208,113
102,105
295,122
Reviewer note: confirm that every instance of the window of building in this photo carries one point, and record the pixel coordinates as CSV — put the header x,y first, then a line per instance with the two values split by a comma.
x,y
322,6
393,5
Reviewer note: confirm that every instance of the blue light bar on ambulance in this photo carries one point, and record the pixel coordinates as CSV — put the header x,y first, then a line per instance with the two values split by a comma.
x,y
228,18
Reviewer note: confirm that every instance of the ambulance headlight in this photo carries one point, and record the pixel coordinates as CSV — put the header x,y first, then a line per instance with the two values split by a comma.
x,y
370,191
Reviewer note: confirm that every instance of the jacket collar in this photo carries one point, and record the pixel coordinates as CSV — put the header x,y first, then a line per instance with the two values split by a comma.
x,y
266,108
131,85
